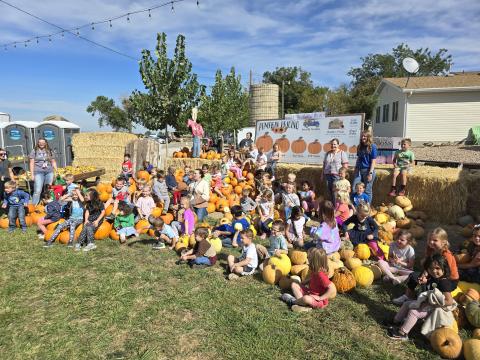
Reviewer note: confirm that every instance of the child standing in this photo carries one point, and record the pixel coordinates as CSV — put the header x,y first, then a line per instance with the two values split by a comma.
x,y
319,290
360,195
278,243
437,242
261,161
145,203
273,160
246,202
437,276
342,184
403,163
53,213
74,212
160,189
342,207
295,227
163,233
94,212
266,212
307,198
401,258
290,199
364,230
16,201
326,236
186,219
172,185
124,222
247,263
127,167
203,253
470,271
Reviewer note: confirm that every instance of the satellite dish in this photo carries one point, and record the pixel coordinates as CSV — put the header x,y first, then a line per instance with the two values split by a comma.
x,y
410,65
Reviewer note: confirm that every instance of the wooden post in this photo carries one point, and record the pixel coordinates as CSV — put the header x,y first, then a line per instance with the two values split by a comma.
x,y
166,149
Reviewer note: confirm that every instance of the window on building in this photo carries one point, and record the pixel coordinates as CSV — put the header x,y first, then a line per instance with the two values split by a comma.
x,y
385,112
395,111
377,115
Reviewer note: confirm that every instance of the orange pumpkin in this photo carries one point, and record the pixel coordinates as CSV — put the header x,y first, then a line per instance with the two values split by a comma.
x,y
234,182
53,225
142,226
203,156
157,212
238,190
142,174
314,147
264,141
353,149
327,147
104,196
167,218
283,144
222,203
114,235
244,173
108,210
108,188
78,230
31,208
64,237
213,198
40,208
48,235
4,223
250,176
343,147
210,207
101,188
299,146
226,180
103,231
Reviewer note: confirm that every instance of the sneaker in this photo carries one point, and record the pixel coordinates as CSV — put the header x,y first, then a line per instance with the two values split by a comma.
x,y
402,193
10,230
298,308
77,247
288,298
394,333
392,192
233,276
48,245
24,230
41,236
158,246
400,300
89,247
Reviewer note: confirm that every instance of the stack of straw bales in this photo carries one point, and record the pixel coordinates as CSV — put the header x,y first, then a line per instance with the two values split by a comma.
x,y
441,192
193,163
102,150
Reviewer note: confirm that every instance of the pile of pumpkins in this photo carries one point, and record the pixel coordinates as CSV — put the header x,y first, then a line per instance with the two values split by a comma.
x,y
399,215
211,155
231,190
346,268
186,241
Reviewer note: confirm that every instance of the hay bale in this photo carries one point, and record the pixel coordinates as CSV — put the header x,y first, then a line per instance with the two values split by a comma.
x,y
196,163
440,192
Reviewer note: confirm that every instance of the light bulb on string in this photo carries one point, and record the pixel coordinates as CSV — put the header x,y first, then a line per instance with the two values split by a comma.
x,y
128,17
15,44
110,23
149,13
173,9
37,40
78,32
50,38
93,27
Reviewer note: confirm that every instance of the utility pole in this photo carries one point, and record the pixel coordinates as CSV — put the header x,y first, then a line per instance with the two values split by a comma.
x,y
283,99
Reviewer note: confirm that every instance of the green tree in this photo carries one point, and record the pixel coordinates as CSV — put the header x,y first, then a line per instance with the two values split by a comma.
x,y
111,115
226,107
171,87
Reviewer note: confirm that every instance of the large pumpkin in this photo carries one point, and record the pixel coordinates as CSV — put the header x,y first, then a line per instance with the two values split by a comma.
x,y
314,147
472,310
363,276
167,218
446,343
53,225
282,262
103,231
353,263
271,274
471,349
264,141
157,211
104,196
344,280
403,201
108,210
78,230
362,251
64,237
142,226
285,283
283,144
216,243
298,257
299,146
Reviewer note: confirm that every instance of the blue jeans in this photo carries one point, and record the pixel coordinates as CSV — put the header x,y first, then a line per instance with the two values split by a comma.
x,y
331,178
361,176
201,213
40,180
196,147
202,260
13,213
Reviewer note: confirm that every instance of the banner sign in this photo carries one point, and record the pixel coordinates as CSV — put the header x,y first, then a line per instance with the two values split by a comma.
x,y
305,116
307,141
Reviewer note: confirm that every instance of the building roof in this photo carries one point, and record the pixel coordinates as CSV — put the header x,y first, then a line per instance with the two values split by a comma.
x,y
454,81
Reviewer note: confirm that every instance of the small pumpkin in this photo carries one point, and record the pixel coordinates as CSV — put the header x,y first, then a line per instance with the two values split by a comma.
x,y
297,269
353,263
314,147
362,251
142,226
282,262
446,343
471,349
363,276
216,243
346,254
297,257
404,223
381,218
335,256
299,146
64,237
396,212
157,212
271,274
472,310
462,258
402,201
344,280
385,236
377,272
114,235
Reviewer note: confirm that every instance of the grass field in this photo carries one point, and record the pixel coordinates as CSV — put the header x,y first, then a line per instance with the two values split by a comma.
x,y
134,303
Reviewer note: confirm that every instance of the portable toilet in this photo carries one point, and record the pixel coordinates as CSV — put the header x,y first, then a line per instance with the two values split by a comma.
x,y
59,135
17,137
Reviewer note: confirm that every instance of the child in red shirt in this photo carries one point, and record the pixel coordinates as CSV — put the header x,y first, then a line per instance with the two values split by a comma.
x,y
319,290
127,167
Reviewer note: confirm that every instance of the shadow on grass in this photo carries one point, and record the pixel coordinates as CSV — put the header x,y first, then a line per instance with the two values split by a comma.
x,y
141,241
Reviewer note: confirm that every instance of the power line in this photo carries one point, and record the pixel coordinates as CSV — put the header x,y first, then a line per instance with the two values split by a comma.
x,y
76,30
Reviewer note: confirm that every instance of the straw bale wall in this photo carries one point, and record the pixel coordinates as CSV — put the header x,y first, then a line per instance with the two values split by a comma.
x,y
444,193
193,163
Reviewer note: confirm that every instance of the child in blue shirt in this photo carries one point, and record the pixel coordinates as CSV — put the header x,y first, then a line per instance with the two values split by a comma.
x,y
360,194
16,200
230,233
278,243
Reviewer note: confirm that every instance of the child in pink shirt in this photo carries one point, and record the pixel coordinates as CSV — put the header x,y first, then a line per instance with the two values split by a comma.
x,y
145,203
342,208
185,223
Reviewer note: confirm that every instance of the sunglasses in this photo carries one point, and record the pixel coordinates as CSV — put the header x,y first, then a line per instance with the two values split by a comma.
x,y
3,154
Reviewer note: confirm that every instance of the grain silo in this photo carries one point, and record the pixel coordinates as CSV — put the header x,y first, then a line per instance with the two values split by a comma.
x,y
263,102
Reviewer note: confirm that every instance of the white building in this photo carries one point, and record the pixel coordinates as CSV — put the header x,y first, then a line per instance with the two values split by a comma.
x,y
428,108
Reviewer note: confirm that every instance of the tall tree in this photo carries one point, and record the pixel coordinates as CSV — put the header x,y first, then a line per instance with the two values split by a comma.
x,y
171,87
112,115
226,107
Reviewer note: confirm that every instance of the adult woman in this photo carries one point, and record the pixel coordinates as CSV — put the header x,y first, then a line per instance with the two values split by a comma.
x,y
6,172
197,132
365,166
42,168
200,194
333,161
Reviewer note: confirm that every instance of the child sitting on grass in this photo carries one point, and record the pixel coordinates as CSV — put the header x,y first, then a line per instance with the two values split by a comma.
x,y
436,278
437,242
185,223
94,212
124,222
326,236
16,201
401,258
203,253
247,263
363,230
403,162
278,243
360,195
163,233
295,227
145,203
319,290
230,233
470,271
53,213
74,215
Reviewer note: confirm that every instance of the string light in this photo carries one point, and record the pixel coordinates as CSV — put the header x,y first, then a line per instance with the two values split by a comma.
x,y
63,33
37,40
128,17
110,23
93,27
50,38
149,13
173,9
78,32
198,3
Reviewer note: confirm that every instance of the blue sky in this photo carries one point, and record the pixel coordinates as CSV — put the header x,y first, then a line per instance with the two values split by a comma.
x,y
324,37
